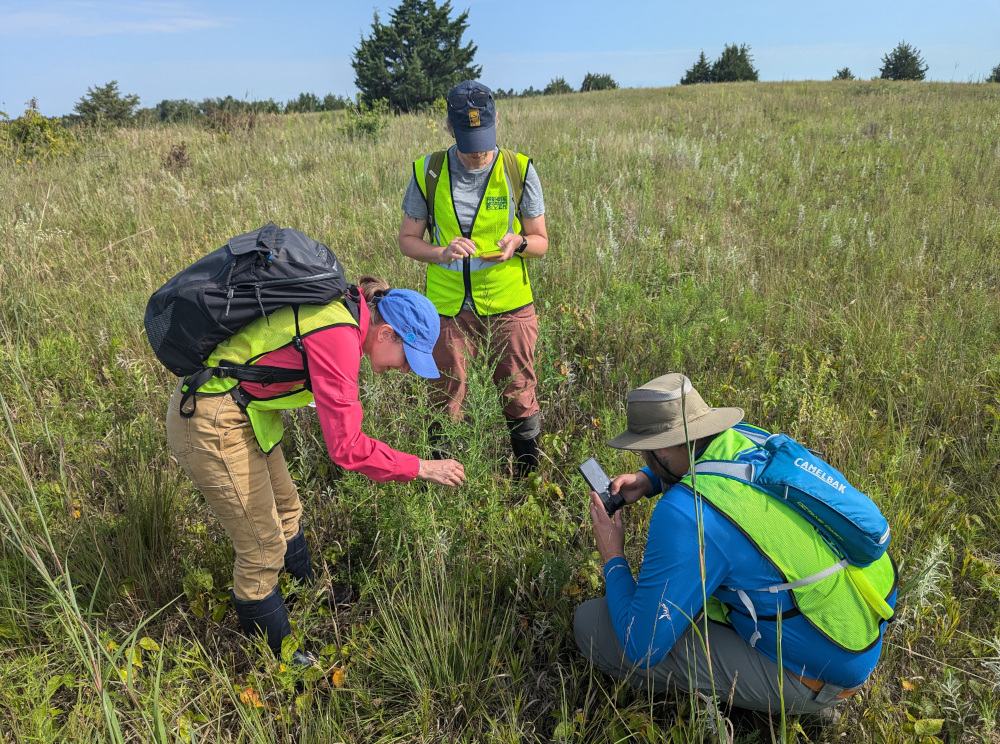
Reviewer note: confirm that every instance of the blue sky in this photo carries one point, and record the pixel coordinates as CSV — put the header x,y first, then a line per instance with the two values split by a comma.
x,y
55,49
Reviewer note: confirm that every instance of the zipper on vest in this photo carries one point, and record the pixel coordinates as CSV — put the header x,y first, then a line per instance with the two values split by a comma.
x,y
467,280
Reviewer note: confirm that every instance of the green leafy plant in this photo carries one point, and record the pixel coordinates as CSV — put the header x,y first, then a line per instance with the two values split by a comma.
x,y
844,74
366,120
33,136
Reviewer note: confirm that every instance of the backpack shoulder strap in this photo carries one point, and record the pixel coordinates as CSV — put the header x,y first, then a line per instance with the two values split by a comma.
x,y
513,168
352,299
737,470
434,165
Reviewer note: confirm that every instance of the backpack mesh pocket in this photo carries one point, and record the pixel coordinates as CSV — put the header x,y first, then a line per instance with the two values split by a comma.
x,y
157,327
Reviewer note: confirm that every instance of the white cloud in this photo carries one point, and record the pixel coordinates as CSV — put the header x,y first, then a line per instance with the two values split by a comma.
x,y
104,18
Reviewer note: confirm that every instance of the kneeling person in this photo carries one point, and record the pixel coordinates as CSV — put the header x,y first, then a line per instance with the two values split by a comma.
x,y
642,630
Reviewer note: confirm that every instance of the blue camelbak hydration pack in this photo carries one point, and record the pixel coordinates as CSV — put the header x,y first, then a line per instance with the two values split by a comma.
x,y
847,518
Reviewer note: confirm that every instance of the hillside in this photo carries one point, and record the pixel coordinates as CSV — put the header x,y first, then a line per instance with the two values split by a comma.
x,y
823,255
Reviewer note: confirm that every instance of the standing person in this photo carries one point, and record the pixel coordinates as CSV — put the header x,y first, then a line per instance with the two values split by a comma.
x,y
229,444
481,236
768,575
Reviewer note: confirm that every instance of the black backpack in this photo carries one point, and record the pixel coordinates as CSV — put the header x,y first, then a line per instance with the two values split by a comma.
x,y
249,277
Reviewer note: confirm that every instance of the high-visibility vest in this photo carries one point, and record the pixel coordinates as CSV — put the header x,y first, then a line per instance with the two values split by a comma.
x,y
494,287
264,335
838,601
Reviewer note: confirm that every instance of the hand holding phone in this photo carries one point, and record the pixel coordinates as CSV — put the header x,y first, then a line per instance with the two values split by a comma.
x,y
599,482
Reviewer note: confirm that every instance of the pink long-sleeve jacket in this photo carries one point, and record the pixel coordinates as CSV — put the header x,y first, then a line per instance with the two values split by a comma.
x,y
334,359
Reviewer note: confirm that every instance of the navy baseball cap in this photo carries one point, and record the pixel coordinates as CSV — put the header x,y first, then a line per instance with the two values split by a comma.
x,y
473,116
415,320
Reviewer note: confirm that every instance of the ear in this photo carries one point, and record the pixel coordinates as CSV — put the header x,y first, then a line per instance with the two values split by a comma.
x,y
385,332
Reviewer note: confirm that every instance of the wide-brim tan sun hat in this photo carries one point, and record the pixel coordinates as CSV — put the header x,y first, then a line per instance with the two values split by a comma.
x,y
668,411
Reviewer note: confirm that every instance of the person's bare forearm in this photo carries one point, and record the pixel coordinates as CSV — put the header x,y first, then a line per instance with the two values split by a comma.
x,y
419,249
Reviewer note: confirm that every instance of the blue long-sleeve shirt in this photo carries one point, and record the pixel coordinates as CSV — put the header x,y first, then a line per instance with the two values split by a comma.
x,y
650,614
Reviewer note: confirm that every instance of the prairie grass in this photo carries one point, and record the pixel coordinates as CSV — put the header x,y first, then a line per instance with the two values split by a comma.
x,y
823,255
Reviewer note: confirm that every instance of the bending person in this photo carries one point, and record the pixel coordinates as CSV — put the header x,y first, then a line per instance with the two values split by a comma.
x,y
230,444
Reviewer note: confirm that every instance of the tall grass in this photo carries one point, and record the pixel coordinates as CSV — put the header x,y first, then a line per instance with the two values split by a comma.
x,y
823,255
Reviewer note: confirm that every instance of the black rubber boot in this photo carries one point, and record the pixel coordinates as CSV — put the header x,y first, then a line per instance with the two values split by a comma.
x,y
297,561
299,566
524,436
268,617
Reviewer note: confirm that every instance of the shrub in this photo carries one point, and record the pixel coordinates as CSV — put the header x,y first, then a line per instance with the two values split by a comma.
x,y
366,120
994,76
700,72
597,82
557,86
177,159
229,120
105,105
844,74
903,63
32,136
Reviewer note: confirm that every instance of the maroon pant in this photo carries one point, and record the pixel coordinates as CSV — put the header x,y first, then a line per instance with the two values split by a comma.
x,y
508,339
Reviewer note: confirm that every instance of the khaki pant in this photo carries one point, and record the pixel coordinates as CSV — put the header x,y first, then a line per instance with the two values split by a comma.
x,y
509,342
250,493
739,675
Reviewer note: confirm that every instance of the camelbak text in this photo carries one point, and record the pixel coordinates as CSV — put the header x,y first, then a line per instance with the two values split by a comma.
x,y
817,472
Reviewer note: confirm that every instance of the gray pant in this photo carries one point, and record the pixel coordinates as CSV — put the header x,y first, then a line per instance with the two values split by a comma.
x,y
740,675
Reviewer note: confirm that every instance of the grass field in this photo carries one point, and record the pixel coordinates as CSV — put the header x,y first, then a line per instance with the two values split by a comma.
x,y
824,255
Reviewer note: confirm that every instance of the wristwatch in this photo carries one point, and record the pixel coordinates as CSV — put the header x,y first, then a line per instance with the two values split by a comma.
x,y
524,244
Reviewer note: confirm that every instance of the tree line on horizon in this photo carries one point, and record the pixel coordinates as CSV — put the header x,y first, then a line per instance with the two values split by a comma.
x,y
735,64
409,64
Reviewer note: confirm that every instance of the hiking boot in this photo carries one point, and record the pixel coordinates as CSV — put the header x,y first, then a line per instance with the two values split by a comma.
x,y
524,438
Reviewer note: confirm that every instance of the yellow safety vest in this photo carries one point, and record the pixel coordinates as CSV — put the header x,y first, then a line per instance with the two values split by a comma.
x,y
261,337
494,287
847,606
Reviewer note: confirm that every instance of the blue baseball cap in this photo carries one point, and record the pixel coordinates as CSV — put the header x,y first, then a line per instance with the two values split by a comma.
x,y
415,320
473,116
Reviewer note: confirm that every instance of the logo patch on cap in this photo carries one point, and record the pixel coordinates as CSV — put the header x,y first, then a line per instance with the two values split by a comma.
x,y
474,118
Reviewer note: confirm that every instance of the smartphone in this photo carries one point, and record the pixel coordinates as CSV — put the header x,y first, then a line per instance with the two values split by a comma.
x,y
599,482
